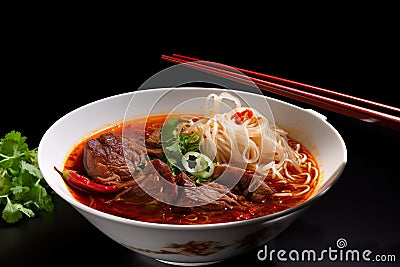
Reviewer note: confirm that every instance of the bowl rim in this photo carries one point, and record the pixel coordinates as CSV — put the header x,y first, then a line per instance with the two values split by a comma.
x,y
266,218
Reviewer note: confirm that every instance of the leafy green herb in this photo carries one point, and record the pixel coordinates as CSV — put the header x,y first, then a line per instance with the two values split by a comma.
x,y
170,143
23,190
176,144
179,146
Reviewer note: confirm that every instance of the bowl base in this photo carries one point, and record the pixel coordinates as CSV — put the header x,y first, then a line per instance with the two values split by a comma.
x,y
187,263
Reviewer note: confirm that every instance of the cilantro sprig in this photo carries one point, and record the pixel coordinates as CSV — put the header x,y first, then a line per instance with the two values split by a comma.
x,y
23,190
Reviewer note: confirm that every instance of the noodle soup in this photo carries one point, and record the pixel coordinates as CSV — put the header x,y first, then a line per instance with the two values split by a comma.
x,y
195,168
188,233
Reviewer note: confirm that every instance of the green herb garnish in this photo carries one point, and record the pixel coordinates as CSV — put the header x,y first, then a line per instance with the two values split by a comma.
x,y
23,190
199,166
182,150
176,144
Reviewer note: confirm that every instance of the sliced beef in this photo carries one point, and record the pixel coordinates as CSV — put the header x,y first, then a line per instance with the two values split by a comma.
x,y
153,143
104,159
226,173
158,182
250,184
135,151
211,197
183,180
162,168
263,192
133,194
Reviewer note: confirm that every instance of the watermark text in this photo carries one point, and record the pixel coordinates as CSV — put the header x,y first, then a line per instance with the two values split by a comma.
x,y
338,253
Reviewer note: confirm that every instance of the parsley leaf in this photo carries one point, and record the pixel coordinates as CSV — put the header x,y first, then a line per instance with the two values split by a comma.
x,y
23,190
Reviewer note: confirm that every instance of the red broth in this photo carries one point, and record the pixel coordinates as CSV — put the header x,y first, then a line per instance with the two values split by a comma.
x,y
168,214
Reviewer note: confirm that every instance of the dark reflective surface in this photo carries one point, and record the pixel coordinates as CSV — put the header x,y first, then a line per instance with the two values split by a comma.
x,y
361,208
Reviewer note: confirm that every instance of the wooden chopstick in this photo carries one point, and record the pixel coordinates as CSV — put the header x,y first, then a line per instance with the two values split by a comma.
x,y
301,85
287,89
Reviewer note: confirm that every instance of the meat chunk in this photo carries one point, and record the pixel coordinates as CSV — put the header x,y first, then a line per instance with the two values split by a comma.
x,y
134,194
153,143
109,158
210,196
162,169
183,180
155,183
262,192
250,184
226,174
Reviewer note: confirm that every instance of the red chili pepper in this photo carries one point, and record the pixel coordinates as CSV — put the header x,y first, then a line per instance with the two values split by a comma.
x,y
240,117
81,182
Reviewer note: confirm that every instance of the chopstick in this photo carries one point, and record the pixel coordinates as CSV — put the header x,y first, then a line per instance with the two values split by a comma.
x,y
372,112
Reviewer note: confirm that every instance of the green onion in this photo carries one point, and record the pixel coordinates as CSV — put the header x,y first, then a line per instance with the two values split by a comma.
x,y
199,165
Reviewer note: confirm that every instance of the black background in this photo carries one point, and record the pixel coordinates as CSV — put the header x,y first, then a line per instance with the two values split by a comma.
x,y
50,68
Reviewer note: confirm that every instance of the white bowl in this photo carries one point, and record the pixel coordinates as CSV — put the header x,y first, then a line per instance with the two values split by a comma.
x,y
222,240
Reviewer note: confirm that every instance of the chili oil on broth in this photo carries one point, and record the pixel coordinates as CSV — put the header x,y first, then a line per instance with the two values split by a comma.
x,y
158,212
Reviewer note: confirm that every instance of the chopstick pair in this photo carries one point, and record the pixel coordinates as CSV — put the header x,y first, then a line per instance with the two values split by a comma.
x,y
370,111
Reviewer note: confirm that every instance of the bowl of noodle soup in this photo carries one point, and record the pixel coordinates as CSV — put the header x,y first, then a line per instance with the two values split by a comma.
x,y
256,164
